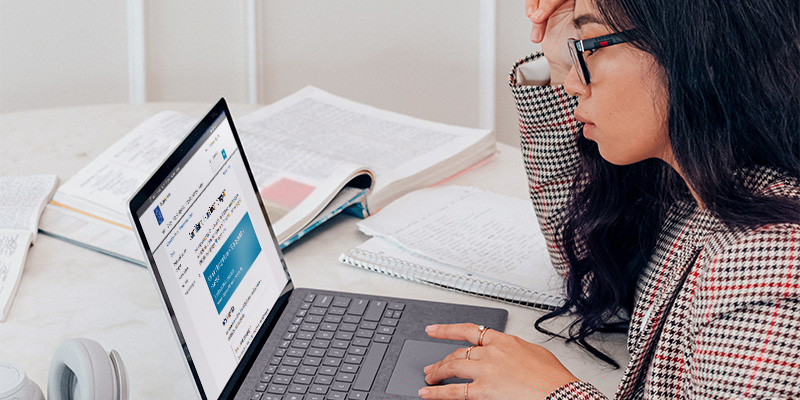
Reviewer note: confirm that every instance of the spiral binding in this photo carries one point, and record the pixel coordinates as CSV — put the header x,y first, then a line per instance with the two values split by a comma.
x,y
457,283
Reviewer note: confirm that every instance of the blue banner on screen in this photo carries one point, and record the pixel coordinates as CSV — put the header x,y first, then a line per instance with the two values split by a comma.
x,y
232,262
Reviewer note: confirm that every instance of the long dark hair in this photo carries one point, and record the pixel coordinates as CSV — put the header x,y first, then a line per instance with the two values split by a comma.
x,y
731,69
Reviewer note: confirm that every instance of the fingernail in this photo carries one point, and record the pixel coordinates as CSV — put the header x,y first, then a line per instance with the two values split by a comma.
x,y
431,328
423,392
428,368
537,16
528,12
536,35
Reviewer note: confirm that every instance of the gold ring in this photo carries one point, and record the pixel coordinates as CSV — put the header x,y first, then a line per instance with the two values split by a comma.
x,y
466,391
483,330
469,352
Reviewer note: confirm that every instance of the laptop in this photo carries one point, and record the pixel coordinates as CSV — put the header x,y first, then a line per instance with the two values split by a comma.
x,y
246,332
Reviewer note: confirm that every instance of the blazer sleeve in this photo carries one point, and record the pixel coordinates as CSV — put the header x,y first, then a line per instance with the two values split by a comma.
x,y
748,319
548,139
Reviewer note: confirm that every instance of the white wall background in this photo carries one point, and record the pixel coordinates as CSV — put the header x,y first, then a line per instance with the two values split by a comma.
x,y
444,60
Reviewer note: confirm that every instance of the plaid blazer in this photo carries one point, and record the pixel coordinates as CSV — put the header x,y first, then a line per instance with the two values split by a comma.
x,y
732,328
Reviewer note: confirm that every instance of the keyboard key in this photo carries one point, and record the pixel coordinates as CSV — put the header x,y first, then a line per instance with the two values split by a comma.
x,y
292,361
309,327
271,369
338,353
303,379
386,330
309,297
340,344
375,310
348,327
389,322
344,335
340,386
305,335
345,377
354,359
327,370
305,306
292,396
327,326
293,328
323,380
357,307
261,387
334,319
301,389
322,344
314,352
352,319
297,321
307,370
370,367
318,389
301,313
277,389
256,396
271,397
332,362
381,338
313,319
363,333
282,380
368,325
341,301
280,352
357,396
323,301
324,335
275,361
301,344
284,370
397,306
317,311
336,396
359,351
266,378
296,352
288,336
349,368
315,397
285,344
312,361
397,314
336,311
362,342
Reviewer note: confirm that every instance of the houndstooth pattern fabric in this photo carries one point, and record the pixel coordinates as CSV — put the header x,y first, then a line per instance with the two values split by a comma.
x,y
716,310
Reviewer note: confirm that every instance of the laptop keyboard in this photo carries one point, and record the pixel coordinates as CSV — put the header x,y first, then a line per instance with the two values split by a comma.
x,y
331,351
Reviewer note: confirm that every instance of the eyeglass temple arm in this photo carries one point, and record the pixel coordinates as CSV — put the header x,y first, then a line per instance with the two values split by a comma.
x,y
599,42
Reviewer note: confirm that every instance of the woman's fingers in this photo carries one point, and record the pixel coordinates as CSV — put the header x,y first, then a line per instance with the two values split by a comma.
x,y
453,391
451,369
539,11
468,332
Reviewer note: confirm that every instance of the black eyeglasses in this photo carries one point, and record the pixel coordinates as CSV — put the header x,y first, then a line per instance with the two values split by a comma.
x,y
577,47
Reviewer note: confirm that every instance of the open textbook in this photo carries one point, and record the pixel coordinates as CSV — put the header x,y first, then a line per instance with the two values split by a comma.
x,y
312,154
463,239
22,199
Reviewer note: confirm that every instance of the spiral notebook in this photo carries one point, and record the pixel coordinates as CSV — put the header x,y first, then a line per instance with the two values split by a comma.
x,y
462,239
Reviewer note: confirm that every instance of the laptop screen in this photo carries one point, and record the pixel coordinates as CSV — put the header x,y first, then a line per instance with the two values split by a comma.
x,y
219,269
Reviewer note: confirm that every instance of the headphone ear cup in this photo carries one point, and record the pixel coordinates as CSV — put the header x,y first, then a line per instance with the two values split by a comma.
x,y
81,370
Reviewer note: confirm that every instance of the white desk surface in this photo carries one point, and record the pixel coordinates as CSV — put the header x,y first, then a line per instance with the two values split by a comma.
x,y
68,291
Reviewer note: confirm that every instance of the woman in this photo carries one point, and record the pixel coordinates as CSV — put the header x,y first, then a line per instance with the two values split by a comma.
x,y
665,174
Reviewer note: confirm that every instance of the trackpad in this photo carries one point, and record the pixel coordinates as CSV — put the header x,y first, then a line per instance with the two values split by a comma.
x,y
409,375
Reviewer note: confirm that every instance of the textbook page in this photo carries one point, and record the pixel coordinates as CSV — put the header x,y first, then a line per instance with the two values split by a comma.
x,y
482,233
404,153
90,208
22,199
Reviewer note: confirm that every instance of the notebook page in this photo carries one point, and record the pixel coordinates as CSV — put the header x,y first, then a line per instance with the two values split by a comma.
x,y
480,232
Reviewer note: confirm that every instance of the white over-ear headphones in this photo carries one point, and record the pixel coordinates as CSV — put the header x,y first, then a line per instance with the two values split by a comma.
x,y
81,370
